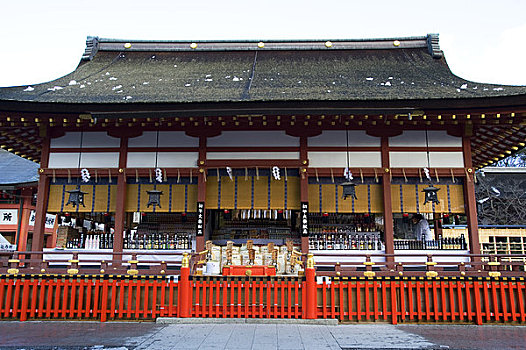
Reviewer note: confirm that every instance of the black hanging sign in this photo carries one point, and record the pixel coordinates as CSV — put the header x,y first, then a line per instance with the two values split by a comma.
x,y
200,223
304,219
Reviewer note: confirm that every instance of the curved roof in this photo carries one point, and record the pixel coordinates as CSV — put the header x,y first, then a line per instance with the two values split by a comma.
x,y
128,72
15,170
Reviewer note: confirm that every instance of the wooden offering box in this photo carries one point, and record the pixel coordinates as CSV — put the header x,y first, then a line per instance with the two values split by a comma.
x,y
246,270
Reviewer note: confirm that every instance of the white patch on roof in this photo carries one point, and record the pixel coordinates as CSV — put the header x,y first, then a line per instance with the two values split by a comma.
x,y
175,66
458,90
120,91
475,88
328,90
29,88
390,78
208,79
116,87
369,78
113,78
235,79
72,82
388,83
208,75
464,86
107,73
187,84
153,57
160,80
82,86
498,89
128,97
146,83
55,88
227,77
88,83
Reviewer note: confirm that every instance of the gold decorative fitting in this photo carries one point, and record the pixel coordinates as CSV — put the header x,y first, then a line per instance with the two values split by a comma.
x,y
310,261
186,260
328,44
396,43
431,274
201,170
193,46
368,263
470,170
304,170
121,170
73,271
248,273
369,274
42,270
127,46
304,162
494,274
430,263
462,273
12,271
261,44
201,162
338,273
133,261
493,263
400,273
102,271
163,272
73,261
386,170
13,261
41,170
132,272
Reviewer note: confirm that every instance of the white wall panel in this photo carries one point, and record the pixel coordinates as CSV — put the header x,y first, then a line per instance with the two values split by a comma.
x,y
253,155
446,159
100,160
253,139
166,139
88,160
417,138
339,160
164,159
90,139
63,160
419,159
336,138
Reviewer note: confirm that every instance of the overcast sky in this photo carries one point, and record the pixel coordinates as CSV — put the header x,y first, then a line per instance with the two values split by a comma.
x,y
484,41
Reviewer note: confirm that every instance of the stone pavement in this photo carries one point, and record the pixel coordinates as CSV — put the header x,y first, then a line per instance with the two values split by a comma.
x,y
137,336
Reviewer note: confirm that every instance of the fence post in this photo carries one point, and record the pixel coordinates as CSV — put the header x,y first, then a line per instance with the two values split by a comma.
x,y
312,290
184,288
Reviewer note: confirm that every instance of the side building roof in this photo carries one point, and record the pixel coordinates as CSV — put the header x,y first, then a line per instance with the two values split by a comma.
x,y
16,171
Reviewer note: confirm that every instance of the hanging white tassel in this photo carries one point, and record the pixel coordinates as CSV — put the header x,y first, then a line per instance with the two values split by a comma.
x,y
316,172
178,176
405,177
246,174
347,174
257,173
426,171
190,175
436,175
150,175
54,176
332,176
452,175
84,173
229,172
158,175
109,175
286,177
375,175
276,173
165,176
136,175
361,174
69,176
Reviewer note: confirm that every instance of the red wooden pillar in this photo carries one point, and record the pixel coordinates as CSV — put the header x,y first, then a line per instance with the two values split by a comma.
x,y
42,201
311,303
201,189
185,288
304,185
469,198
120,213
21,239
388,207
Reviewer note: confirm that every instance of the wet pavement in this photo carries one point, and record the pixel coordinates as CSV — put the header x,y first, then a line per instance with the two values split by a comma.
x,y
136,336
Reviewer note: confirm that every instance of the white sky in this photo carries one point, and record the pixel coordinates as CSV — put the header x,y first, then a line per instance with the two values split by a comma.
x,y
484,41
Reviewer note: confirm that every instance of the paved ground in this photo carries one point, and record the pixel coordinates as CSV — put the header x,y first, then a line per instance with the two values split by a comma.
x,y
136,336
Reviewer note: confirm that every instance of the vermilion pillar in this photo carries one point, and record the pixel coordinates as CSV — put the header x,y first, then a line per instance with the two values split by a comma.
x,y
469,198
304,185
21,240
120,212
388,207
42,201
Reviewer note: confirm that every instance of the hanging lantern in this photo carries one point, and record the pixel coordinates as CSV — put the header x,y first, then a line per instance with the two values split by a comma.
x,y
431,194
154,198
349,190
76,197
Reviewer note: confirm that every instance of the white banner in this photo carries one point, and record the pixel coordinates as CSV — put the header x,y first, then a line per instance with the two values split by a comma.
x,y
50,219
8,216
